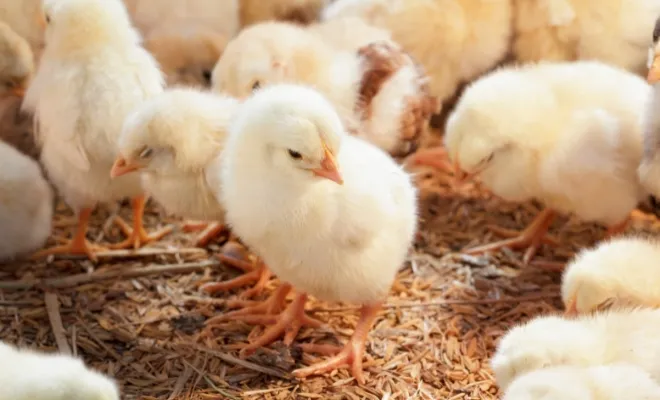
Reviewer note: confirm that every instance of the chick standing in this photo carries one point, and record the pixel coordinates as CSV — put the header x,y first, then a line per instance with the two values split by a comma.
x,y
30,375
27,204
575,147
620,272
340,216
626,336
380,93
92,74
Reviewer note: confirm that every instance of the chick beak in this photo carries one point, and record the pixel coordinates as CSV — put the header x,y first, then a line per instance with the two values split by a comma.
x,y
121,167
18,91
654,72
571,308
329,168
41,21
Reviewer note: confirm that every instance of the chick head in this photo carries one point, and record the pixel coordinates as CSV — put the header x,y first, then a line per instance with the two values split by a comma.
x,y
173,132
268,53
540,343
187,57
78,26
654,55
16,63
556,383
293,129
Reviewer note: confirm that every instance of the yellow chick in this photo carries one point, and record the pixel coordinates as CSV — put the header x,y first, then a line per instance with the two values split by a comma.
x,y
575,148
454,40
606,382
379,91
619,272
626,336
27,204
186,56
92,74
649,169
297,11
340,217
30,375
16,63
24,18
615,32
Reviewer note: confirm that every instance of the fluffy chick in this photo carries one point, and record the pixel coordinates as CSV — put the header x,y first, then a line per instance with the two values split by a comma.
x,y
614,336
615,32
186,56
379,91
606,382
575,148
617,272
341,214
16,62
474,37
92,74
30,375
297,11
27,204
649,169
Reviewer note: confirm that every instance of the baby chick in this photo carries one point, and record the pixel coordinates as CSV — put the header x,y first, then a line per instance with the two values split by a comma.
x,y
16,63
606,382
92,74
455,40
187,55
649,169
620,271
379,91
27,204
626,336
298,11
575,148
340,216
31,375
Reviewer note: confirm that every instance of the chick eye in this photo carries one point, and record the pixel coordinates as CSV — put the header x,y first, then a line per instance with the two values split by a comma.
x,y
256,85
295,155
47,19
146,152
206,74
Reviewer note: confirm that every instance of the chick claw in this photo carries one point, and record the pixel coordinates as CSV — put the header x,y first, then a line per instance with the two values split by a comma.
x,y
73,247
209,231
435,157
260,274
137,236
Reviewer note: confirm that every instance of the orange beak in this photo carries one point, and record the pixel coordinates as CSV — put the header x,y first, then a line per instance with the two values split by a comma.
x,y
121,167
654,71
571,308
329,168
41,20
18,91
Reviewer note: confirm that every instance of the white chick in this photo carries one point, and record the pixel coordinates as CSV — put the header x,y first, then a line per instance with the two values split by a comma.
x,y
297,11
606,382
92,74
27,204
24,17
623,336
186,55
649,169
455,40
575,148
16,63
340,216
31,375
615,32
618,272
379,91
349,33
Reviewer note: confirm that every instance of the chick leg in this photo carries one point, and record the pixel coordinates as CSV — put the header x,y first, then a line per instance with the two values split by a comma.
x,y
261,274
532,237
353,351
138,236
78,244
434,157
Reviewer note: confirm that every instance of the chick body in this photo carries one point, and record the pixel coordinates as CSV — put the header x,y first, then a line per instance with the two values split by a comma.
x,y
474,37
614,336
606,382
27,204
29,375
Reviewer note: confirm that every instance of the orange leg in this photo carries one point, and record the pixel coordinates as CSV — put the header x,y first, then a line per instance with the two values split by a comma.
x,y
353,351
532,238
571,307
212,230
434,157
78,244
261,274
194,226
138,236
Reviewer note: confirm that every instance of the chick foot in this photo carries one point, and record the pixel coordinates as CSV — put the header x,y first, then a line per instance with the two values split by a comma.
x,y
137,236
260,275
353,351
434,157
209,231
531,238
78,245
